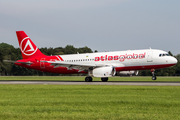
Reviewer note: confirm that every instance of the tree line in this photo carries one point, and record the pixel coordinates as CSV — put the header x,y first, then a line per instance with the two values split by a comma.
x,y
9,52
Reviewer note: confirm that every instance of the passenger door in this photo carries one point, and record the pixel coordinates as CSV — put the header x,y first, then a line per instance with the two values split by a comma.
x,y
149,56
42,64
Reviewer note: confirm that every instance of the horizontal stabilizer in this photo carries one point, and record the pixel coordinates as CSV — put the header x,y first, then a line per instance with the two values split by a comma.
x,y
9,61
27,63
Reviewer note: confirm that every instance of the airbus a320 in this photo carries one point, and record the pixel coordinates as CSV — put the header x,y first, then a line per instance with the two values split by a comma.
x,y
102,64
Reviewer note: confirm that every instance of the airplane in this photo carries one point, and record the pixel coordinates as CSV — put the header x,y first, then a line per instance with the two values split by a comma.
x,y
102,64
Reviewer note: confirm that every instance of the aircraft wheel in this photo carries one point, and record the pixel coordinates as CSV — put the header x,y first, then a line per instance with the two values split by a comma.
x,y
153,74
154,78
88,79
104,79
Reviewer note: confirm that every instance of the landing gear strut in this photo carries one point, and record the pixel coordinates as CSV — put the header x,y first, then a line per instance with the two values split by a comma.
x,y
88,79
153,74
104,79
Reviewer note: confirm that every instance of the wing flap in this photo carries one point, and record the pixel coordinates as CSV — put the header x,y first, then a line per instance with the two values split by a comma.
x,y
68,64
71,65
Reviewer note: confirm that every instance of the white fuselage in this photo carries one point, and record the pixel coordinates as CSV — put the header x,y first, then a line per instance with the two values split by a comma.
x,y
124,60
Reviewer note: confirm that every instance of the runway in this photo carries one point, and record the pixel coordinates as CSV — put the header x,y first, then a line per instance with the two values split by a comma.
x,y
139,83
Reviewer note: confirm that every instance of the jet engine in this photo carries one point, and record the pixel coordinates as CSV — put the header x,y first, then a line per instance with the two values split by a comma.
x,y
127,73
107,71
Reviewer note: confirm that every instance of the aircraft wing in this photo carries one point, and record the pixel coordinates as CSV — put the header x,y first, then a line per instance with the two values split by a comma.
x,y
79,66
72,65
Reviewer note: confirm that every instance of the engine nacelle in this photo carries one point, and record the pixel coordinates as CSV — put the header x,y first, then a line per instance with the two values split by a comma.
x,y
127,73
102,72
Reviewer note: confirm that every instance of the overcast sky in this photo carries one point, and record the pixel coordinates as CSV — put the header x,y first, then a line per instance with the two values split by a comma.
x,y
103,25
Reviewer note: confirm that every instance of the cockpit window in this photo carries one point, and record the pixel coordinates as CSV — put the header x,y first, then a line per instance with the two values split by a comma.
x,y
164,54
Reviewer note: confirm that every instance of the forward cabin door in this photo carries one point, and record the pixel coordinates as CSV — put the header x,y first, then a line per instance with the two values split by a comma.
x,y
149,56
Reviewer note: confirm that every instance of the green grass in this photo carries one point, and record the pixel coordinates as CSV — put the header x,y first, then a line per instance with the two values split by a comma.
x,y
77,78
99,102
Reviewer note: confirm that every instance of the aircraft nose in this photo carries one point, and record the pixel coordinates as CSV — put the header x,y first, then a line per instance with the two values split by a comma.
x,y
174,60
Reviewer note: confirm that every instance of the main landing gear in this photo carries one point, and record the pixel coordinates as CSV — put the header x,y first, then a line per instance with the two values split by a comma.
x,y
89,79
104,79
153,74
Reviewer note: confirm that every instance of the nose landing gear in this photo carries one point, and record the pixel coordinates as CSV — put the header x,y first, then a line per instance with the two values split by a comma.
x,y
153,74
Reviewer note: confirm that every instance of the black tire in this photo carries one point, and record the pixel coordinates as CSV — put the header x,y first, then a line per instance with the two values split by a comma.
x,y
88,79
154,78
104,79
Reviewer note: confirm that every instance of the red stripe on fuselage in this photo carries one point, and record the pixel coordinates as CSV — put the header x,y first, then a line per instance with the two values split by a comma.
x,y
63,70
145,67
60,58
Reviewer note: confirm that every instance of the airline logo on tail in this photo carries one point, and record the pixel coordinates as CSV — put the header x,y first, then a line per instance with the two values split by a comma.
x,y
27,47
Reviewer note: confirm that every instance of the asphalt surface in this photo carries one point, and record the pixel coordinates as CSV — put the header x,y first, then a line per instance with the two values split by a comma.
x,y
137,83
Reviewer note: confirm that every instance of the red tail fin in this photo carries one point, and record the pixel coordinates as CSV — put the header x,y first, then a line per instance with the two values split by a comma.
x,y
28,48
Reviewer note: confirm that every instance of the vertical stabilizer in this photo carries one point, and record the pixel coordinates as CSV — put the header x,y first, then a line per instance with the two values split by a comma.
x,y
27,47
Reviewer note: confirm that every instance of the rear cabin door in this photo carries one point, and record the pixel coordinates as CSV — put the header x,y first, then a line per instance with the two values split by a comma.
x,y
42,64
